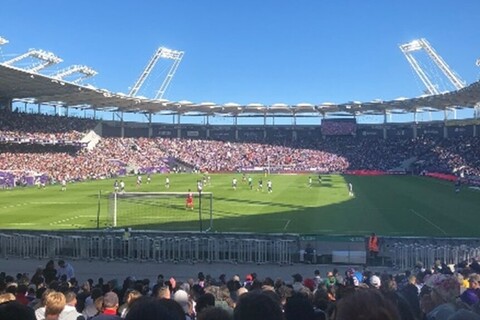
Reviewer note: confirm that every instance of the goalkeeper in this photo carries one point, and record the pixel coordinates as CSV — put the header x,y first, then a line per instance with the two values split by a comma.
x,y
189,200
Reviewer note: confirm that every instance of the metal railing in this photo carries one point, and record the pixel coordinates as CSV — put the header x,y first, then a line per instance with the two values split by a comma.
x,y
161,248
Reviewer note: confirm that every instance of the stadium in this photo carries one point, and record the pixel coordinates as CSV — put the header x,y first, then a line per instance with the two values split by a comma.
x,y
87,188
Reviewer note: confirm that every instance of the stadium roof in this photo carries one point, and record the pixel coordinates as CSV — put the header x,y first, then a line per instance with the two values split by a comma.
x,y
18,84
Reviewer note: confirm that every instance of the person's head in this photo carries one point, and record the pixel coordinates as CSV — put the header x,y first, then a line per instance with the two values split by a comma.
x,y
444,288
298,306
214,313
61,263
365,304
110,300
54,304
164,292
132,295
71,298
173,307
257,305
204,301
147,308
375,281
15,310
474,281
5,297
297,277
181,297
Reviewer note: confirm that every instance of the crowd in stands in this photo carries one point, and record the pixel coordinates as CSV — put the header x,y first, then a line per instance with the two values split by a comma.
x,y
438,292
215,156
452,155
112,156
17,125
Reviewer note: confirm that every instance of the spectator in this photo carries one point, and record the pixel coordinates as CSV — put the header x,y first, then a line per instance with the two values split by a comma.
x,y
109,308
257,305
366,304
214,313
65,269
54,304
14,310
70,312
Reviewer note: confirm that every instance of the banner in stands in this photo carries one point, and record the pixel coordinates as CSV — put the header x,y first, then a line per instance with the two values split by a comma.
x,y
194,133
165,132
399,132
369,132
459,131
339,127
430,131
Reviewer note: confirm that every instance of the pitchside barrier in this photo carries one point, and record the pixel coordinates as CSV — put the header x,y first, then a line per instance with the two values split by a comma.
x,y
152,246
403,253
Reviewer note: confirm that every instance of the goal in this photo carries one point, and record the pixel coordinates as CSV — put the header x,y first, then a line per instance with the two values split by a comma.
x,y
161,210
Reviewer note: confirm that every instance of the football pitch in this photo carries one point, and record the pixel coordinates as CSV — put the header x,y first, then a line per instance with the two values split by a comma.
x,y
387,205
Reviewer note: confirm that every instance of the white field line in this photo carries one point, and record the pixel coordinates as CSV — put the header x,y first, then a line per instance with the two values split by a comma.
x,y
429,221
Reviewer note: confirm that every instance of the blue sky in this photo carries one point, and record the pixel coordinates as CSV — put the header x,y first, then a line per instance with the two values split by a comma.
x,y
249,51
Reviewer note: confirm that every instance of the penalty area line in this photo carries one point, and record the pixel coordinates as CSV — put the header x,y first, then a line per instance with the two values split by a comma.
x,y
286,224
429,221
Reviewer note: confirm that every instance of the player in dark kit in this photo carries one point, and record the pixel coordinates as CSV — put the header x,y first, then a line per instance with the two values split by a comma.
x,y
260,185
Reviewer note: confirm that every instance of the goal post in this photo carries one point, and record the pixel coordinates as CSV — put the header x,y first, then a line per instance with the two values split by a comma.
x,y
165,210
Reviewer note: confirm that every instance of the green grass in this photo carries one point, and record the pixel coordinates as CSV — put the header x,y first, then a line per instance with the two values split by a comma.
x,y
387,205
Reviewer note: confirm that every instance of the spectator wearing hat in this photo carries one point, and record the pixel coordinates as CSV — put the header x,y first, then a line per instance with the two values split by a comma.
x,y
375,282
248,281
110,307
310,284
331,280
181,297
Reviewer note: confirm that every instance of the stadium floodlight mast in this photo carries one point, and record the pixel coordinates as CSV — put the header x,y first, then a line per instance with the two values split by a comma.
x,y
86,72
46,58
422,44
164,53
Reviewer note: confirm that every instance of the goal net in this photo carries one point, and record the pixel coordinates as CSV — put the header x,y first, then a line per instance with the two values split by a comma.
x,y
161,210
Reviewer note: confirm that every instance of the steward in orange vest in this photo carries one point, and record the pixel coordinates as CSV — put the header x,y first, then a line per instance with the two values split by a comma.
x,y
373,246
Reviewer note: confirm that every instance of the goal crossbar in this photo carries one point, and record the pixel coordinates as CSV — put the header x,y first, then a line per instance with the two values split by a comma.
x,y
139,204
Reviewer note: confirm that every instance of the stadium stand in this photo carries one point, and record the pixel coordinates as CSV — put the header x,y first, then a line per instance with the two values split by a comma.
x,y
52,147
